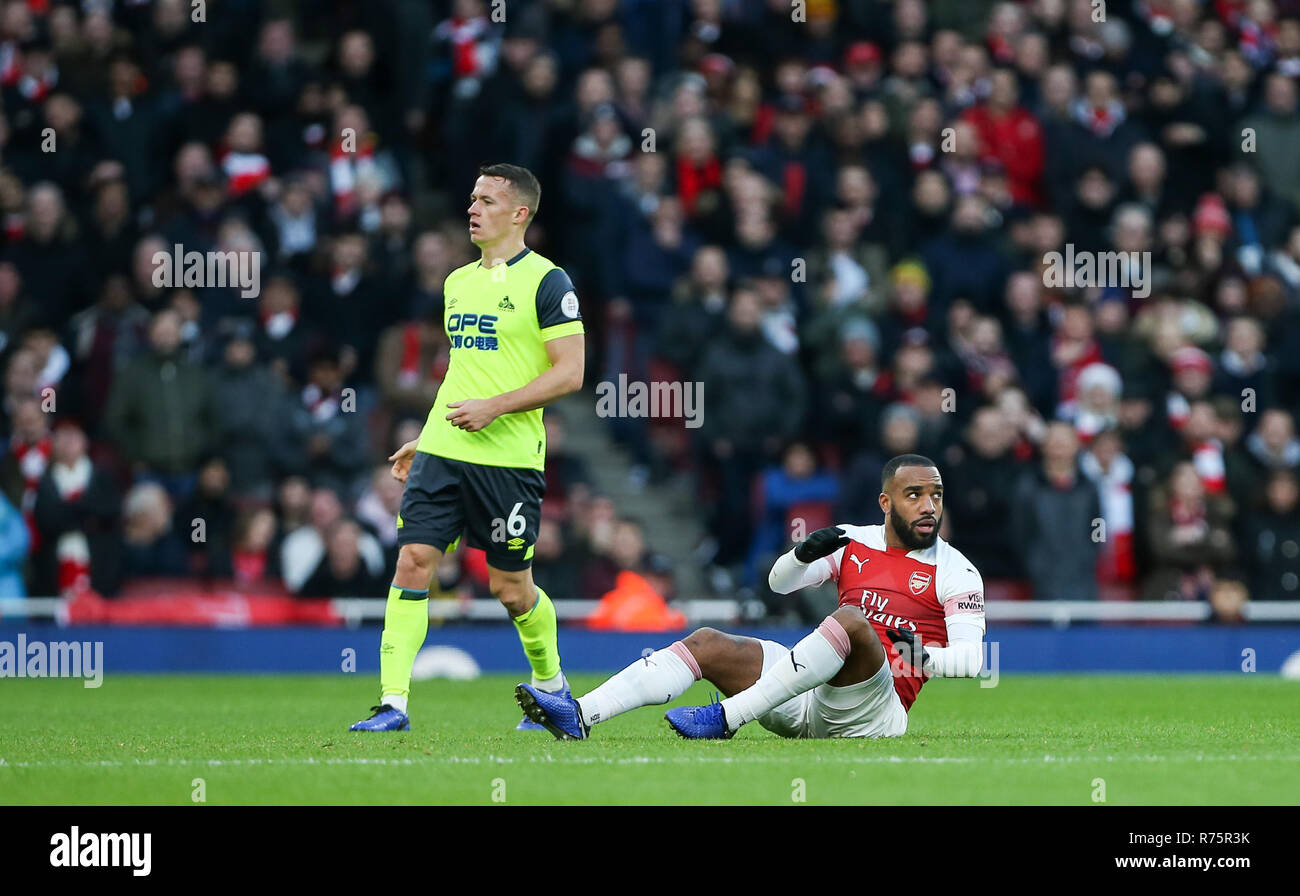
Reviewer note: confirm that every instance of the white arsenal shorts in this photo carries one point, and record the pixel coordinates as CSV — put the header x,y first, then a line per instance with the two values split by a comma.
x,y
870,708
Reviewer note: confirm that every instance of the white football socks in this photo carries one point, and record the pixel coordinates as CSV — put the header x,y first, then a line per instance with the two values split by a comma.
x,y
550,685
660,677
396,701
811,662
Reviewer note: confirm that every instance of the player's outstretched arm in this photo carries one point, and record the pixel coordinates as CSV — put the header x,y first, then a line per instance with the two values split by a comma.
x,y
961,594
567,355
962,658
807,564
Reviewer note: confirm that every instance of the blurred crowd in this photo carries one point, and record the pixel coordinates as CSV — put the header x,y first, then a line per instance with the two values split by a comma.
x,y
836,215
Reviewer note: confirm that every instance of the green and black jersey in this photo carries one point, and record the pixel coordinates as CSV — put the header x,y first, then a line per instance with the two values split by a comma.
x,y
499,320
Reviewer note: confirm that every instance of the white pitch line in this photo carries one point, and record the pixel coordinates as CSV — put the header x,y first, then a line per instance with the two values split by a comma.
x,y
625,760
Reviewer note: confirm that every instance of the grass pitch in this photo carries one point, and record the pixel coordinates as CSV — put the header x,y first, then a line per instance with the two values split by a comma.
x,y
278,740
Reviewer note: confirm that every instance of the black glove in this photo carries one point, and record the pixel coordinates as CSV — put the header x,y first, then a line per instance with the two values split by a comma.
x,y
909,647
821,543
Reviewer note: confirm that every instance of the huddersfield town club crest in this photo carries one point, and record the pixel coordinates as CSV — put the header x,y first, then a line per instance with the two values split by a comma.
x,y
919,582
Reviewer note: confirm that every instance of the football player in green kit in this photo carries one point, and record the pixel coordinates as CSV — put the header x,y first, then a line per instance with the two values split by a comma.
x,y
517,344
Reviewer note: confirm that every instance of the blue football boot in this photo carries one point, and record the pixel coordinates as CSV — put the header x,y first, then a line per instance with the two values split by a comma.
x,y
527,724
558,713
700,722
384,718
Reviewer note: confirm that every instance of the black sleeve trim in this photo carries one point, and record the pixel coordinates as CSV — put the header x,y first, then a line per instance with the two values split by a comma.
x,y
551,303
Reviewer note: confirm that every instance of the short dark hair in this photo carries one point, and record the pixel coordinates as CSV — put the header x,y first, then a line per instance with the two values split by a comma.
x,y
903,460
523,183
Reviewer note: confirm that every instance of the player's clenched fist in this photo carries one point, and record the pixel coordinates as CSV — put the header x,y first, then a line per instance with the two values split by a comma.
x,y
821,543
402,458
909,647
472,414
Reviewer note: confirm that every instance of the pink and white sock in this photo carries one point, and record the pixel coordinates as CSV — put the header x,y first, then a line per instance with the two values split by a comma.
x,y
660,677
811,662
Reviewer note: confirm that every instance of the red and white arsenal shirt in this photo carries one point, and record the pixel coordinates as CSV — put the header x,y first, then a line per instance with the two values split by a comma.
x,y
922,591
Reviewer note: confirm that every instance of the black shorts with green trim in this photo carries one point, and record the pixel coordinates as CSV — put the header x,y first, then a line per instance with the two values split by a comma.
x,y
497,509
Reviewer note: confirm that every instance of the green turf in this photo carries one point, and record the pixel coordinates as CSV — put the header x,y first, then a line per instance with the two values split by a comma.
x,y
136,739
